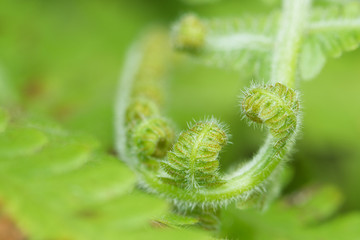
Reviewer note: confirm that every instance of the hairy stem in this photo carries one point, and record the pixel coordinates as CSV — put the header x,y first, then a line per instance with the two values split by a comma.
x,y
238,186
238,41
288,41
131,67
142,134
334,25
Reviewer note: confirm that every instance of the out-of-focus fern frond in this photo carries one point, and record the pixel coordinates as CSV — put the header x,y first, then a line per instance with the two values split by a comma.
x,y
235,43
197,2
332,31
57,185
305,214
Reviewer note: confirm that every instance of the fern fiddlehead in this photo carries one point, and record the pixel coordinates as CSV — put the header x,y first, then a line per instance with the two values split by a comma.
x,y
277,101
153,137
276,106
193,162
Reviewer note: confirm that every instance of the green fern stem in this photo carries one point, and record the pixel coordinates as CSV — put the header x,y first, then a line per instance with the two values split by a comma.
x,y
288,41
237,186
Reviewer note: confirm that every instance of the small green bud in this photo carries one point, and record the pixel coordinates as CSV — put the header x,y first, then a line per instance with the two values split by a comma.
x,y
139,110
151,91
189,33
153,138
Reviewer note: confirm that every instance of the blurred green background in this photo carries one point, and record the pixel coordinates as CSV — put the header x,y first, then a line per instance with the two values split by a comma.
x,y
63,59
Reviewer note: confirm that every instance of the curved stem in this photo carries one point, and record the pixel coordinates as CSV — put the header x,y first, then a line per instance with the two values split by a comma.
x,y
239,185
131,67
139,98
288,41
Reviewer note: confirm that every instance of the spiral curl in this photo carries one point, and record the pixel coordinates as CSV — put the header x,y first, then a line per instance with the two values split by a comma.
x,y
193,161
276,106
153,138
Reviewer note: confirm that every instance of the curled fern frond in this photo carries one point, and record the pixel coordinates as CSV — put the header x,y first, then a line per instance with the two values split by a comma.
x,y
152,138
228,43
193,164
193,161
276,106
332,31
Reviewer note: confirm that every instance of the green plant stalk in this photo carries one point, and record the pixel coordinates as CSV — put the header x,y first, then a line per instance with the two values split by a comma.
x,y
132,65
288,41
239,186
143,134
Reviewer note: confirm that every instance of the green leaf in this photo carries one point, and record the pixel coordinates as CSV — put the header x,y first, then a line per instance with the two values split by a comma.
x,y
303,215
332,31
4,118
17,141
58,185
335,229
314,204
312,60
176,221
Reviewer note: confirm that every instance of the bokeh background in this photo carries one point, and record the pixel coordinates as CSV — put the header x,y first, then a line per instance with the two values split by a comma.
x,y
63,59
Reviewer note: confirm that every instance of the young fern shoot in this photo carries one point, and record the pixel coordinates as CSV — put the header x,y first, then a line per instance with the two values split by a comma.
x,y
254,42
187,171
192,165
